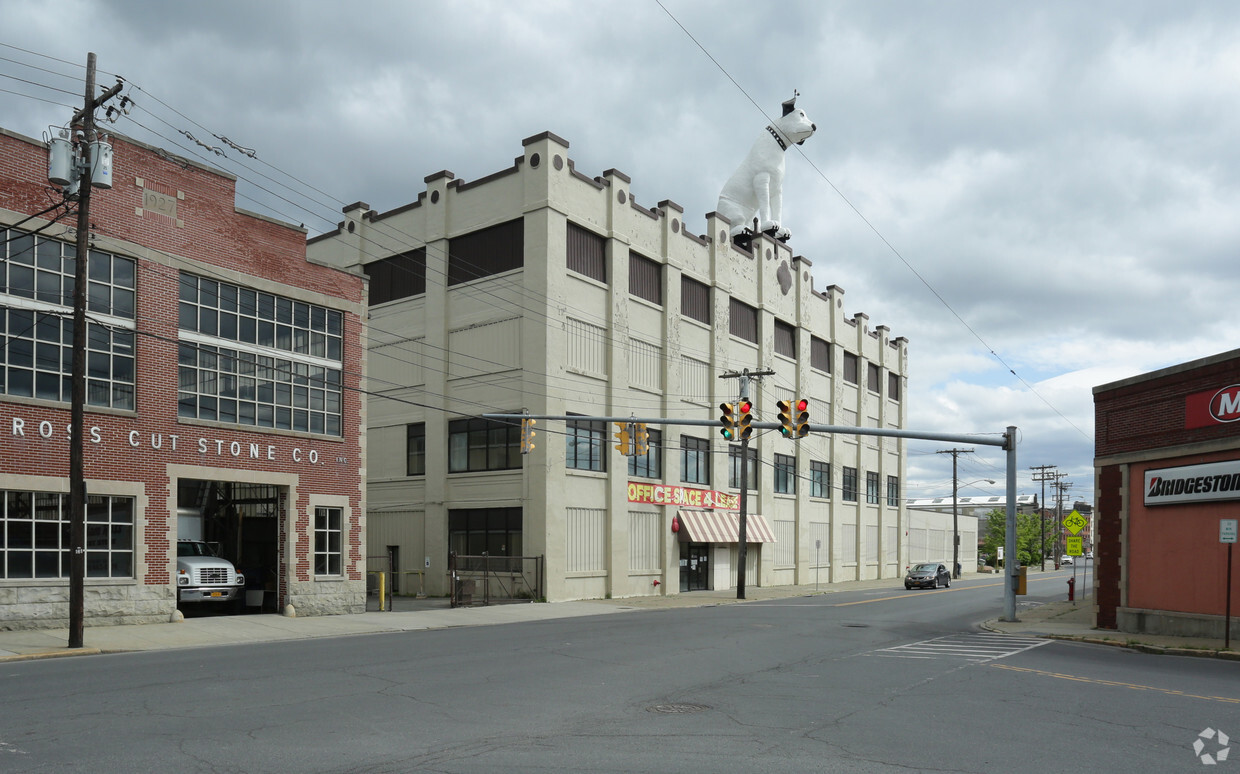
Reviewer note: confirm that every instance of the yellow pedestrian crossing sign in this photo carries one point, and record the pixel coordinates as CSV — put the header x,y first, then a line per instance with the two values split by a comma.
x,y
1074,522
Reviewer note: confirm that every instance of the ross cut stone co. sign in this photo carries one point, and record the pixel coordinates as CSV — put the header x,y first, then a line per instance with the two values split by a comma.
x,y
45,430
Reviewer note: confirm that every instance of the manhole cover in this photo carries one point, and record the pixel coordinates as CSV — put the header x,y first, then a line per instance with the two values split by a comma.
x,y
678,709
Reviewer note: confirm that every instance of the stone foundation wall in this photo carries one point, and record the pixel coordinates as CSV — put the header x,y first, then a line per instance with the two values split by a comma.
x,y
47,607
1176,624
328,598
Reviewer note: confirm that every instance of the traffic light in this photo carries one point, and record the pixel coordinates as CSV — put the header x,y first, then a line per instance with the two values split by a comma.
x,y
641,439
727,417
527,435
745,409
622,435
786,428
802,418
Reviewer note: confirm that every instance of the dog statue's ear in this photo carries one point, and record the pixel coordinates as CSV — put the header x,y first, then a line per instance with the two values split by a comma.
x,y
791,105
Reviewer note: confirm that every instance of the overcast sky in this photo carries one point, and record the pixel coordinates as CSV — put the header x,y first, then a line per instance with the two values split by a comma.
x,y
1041,196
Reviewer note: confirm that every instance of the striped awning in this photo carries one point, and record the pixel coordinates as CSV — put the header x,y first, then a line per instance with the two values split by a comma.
x,y
724,527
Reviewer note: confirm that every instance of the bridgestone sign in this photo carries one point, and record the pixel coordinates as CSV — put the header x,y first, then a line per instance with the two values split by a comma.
x,y
1193,483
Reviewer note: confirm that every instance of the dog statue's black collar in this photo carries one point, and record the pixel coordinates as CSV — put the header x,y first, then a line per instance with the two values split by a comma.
x,y
782,145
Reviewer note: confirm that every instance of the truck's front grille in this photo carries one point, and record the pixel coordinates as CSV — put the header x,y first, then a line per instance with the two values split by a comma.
x,y
213,575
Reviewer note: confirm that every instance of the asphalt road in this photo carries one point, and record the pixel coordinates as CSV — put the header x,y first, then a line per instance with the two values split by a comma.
x,y
868,681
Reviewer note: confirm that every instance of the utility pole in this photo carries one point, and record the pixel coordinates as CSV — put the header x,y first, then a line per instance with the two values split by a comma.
x,y
1062,487
741,548
77,412
1043,473
955,510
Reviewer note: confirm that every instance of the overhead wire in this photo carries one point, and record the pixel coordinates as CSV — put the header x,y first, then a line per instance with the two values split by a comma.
x,y
533,310
887,243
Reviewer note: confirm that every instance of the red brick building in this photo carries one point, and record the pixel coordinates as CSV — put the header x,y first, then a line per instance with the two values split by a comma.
x,y
1167,470
223,374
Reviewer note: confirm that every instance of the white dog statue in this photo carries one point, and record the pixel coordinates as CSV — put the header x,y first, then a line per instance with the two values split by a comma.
x,y
755,190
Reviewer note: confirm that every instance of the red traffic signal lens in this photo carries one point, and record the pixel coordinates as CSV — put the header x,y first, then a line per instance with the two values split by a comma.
x,y
744,407
802,405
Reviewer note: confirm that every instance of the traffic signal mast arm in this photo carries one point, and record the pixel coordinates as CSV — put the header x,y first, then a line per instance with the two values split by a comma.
x,y
996,439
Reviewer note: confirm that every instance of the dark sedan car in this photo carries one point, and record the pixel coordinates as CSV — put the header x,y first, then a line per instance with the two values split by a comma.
x,y
928,575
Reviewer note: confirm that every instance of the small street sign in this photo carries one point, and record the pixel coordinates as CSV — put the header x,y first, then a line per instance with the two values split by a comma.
x,y
1227,530
1075,522
1073,546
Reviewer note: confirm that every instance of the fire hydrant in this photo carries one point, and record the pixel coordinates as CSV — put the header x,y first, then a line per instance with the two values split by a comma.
x,y
1071,589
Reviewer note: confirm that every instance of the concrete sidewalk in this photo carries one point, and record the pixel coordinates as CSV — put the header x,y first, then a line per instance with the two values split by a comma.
x,y
1063,620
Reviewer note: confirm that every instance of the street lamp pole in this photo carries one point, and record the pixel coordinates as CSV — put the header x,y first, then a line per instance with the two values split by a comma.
x,y
955,511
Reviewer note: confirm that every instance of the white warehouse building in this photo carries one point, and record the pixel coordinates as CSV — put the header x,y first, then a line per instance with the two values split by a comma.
x,y
543,290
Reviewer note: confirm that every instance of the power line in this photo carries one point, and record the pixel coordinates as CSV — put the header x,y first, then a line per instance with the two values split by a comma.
x,y
880,235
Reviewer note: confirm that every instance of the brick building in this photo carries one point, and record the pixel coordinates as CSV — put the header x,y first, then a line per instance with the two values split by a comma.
x,y
1167,471
223,376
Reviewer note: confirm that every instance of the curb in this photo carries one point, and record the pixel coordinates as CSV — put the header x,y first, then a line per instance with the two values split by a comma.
x,y
1158,650
55,654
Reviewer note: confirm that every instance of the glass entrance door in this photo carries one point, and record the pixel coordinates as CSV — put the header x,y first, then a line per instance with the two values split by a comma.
x,y
694,566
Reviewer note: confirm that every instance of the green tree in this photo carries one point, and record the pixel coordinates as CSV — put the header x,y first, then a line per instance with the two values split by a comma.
x,y
1028,536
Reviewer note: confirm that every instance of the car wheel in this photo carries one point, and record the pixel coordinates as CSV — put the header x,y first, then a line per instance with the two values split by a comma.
x,y
948,584
907,587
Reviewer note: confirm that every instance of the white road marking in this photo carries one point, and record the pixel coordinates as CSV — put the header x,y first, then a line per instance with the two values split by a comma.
x,y
977,648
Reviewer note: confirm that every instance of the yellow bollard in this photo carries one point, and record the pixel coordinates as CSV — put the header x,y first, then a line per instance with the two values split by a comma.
x,y
382,590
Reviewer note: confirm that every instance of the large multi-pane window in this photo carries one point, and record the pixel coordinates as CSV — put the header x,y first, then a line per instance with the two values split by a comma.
x,y
819,479
819,354
650,464
328,541
785,339
871,487
415,449
645,278
254,358
695,300
36,283
490,531
478,444
848,487
742,320
694,460
399,276
34,535
893,386
874,377
785,474
585,445
734,468
893,491
851,367
487,251
586,253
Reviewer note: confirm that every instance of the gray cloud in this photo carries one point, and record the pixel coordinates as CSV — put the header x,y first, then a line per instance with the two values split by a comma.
x,y
1062,174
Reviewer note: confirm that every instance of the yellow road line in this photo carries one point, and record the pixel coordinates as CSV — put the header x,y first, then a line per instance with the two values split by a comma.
x,y
1114,684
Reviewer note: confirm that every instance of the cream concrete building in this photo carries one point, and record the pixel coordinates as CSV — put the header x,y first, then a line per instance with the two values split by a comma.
x,y
542,289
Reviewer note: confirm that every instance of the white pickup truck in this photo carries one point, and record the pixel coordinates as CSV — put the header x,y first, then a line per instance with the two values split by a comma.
x,y
202,576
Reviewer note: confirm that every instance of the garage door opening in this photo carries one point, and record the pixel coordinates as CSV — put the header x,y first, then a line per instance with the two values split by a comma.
x,y
240,522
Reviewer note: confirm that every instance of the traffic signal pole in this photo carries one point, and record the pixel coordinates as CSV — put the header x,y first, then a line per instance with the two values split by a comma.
x,y
742,547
